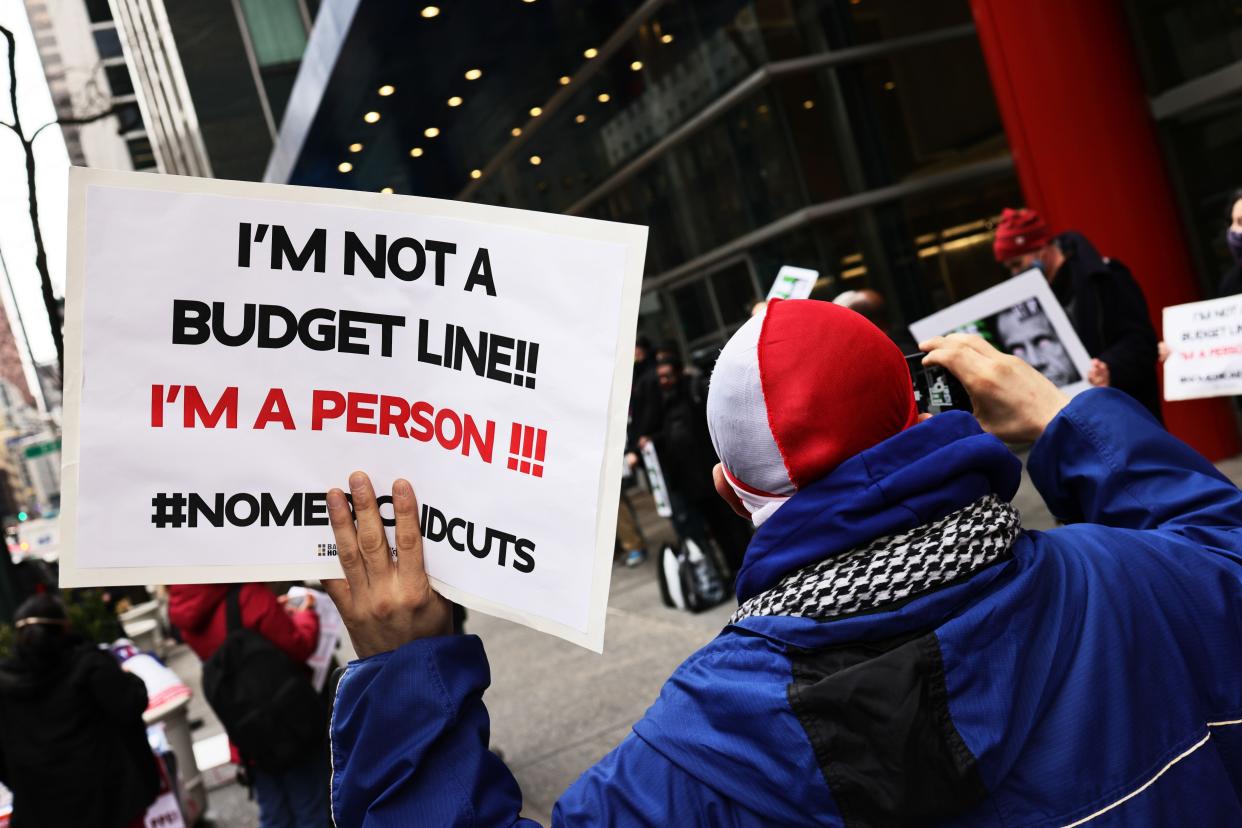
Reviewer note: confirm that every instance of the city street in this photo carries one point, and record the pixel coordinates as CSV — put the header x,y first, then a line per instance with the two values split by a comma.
x,y
557,708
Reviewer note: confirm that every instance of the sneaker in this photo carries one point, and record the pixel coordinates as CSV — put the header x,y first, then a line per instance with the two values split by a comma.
x,y
635,557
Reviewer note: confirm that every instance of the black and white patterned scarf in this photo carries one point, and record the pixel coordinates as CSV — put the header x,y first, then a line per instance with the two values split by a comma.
x,y
893,568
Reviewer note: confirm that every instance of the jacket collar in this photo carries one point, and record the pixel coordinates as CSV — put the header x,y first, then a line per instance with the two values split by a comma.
x,y
915,477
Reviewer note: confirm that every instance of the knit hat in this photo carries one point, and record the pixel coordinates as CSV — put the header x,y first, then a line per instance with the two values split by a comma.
x,y
1020,231
798,390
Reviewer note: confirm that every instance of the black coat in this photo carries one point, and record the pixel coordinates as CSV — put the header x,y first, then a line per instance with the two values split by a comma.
x,y
1230,283
73,746
683,442
1107,309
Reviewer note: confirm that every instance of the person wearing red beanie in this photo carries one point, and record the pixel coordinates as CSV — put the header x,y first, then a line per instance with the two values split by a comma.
x,y
903,652
1103,301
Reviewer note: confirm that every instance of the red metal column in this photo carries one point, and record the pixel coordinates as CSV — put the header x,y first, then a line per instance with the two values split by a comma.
x,y
1068,87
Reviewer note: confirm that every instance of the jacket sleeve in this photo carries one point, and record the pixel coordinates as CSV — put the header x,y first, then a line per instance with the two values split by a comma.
x,y
1105,460
409,740
1131,352
120,695
297,632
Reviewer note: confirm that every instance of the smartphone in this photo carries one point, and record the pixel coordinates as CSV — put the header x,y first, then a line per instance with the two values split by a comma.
x,y
935,389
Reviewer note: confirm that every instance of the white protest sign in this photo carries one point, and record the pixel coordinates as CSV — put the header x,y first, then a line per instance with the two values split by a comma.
x,y
1020,316
234,350
1205,349
793,283
330,627
655,477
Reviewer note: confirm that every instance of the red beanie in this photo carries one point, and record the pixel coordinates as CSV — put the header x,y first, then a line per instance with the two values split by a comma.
x,y
802,388
1020,231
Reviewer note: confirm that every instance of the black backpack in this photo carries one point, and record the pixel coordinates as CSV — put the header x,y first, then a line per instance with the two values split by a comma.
x,y
263,698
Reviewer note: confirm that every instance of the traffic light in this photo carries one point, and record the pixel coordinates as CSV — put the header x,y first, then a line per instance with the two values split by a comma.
x,y
22,515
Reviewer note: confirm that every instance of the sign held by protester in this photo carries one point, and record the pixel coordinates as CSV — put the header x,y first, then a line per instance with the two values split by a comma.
x,y
234,350
1022,317
1205,349
793,283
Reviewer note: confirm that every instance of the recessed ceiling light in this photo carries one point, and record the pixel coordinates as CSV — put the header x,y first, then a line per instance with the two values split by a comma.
x,y
515,132
536,160
386,190
476,173
636,65
808,104
666,38
564,80
474,74
603,97
763,109
590,53
371,117
387,89
890,85
431,132
344,167
355,147
579,119
536,111
416,152
455,100
430,11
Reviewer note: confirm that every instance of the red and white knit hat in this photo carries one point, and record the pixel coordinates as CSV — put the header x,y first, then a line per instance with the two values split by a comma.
x,y
798,390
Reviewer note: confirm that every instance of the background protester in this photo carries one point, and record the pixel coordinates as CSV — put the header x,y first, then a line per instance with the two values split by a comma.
x,y
1103,301
684,446
73,745
1231,281
873,307
643,416
291,796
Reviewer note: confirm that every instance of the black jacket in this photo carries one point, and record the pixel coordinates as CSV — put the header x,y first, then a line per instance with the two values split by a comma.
x,y
1107,309
1230,283
644,403
73,746
683,443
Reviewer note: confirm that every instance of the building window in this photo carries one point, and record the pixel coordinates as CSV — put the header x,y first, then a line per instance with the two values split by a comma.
x,y
108,42
140,153
276,30
98,11
118,80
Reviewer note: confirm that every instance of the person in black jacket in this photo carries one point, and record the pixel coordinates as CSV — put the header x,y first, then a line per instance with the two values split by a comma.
x,y
1102,299
73,745
687,457
1231,282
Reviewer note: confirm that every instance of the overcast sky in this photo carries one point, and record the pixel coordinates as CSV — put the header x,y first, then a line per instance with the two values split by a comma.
x,y
16,240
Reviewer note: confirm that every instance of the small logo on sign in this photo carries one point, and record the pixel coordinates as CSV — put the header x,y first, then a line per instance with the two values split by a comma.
x,y
527,445
325,550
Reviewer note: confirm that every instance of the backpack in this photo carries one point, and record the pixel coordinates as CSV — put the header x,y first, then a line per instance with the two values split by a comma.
x,y
262,697
689,579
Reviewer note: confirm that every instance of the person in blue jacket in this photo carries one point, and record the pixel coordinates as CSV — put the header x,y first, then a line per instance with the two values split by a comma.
x,y
904,653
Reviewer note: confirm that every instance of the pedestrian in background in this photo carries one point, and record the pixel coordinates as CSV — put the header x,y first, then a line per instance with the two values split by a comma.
x,y
684,446
1231,282
73,744
1101,298
288,796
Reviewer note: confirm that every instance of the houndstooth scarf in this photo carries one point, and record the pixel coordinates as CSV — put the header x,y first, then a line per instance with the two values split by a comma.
x,y
894,568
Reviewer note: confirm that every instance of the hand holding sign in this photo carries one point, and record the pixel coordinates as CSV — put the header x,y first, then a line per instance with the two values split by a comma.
x,y
385,599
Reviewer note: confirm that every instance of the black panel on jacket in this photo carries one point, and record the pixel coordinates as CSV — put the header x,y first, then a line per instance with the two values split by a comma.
x,y
877,716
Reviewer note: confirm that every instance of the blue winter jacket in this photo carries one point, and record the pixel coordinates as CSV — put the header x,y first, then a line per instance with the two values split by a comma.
x,y
1093,677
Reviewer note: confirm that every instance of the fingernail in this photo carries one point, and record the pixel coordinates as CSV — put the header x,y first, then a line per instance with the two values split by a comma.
x,y
402,488
357,480
336,499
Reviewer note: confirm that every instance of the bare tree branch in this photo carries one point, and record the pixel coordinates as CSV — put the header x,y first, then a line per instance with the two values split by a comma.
x,y
49,297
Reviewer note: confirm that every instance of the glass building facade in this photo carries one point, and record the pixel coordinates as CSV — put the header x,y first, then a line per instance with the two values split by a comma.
x,y
859,138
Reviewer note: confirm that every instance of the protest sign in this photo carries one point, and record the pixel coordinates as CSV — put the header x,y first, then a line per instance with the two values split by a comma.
x,y
1022,317
655,479
234,350
793,283
1205,349
330,627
